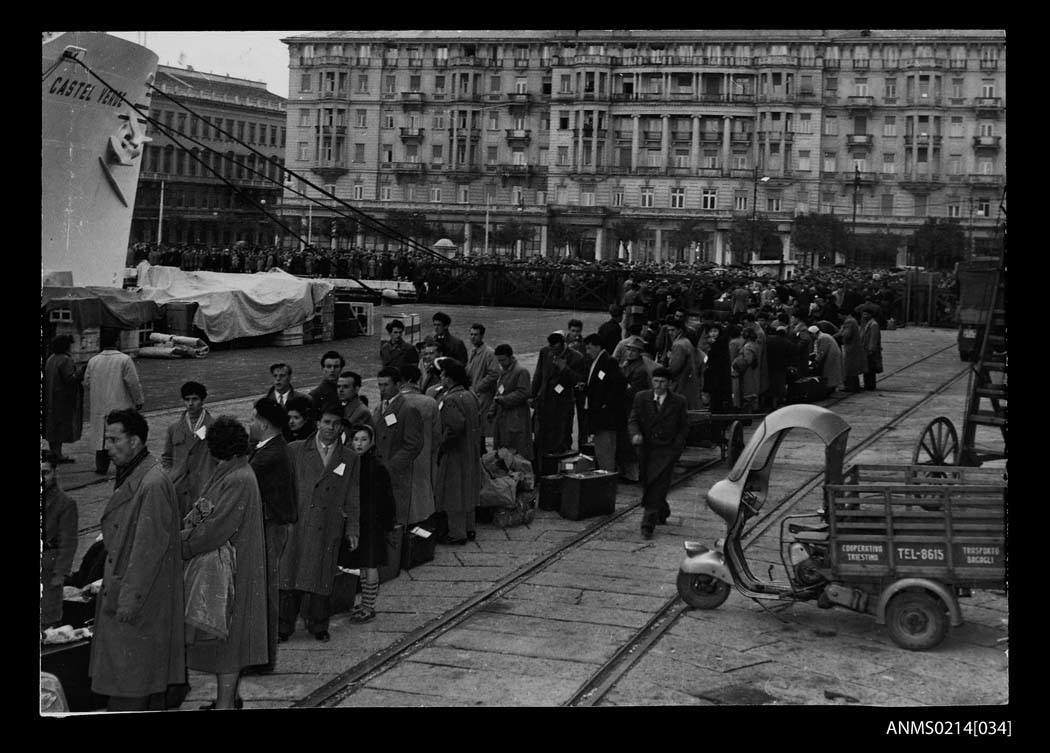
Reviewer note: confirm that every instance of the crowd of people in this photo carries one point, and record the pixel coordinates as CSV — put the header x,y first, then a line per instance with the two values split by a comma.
x,y
216,549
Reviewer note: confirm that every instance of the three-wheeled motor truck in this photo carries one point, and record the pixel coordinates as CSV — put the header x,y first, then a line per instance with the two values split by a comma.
x,y
902,543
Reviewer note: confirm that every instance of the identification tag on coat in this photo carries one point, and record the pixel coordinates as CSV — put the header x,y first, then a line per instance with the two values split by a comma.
x,y
500,390
201,432
422,533
558,389
338,470
390,419
601,374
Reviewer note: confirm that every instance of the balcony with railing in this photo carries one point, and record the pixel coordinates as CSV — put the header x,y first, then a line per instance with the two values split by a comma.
x,y
982,179
411,134
925,63
462,133
652,136
591,60
333,94
986,142
650,170
988,105
459,62
832,63
412,98
741,136
777,135
861,64
790,60
521,62
515,171
989,65
330,167
521,136
415,62
519,98
927,100
440,96
331,130
860,102
865,140
921,139
957,64
920,181
494,96
865,177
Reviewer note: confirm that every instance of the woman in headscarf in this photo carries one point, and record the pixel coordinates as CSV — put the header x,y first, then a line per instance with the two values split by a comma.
x,y
63,398
300,419
377,518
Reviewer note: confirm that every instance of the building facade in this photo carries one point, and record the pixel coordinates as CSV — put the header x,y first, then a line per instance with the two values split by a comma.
x,y
581,135
180,199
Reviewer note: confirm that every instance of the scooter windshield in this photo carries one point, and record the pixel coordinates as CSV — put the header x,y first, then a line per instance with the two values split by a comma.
x,y
743,463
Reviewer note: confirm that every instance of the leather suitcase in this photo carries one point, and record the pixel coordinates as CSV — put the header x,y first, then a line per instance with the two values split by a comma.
x,y
344,592
576,464
550,492
549,462
394,540
417,549
584,495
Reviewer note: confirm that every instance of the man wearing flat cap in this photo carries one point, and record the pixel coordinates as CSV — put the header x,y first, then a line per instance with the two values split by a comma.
x,y
558,369
637,369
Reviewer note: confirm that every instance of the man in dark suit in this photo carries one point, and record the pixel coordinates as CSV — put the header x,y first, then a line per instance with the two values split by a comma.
x,y
611,332
282,390
558,369
658,426
273,472
326,392
603,402
399,439
448,344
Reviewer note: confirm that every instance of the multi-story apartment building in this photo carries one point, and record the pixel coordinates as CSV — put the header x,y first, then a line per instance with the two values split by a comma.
x,y
185,201
590,129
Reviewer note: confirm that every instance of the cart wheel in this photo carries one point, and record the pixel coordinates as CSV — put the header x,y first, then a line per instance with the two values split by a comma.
x,y
736,441
938,444
916,620
702,591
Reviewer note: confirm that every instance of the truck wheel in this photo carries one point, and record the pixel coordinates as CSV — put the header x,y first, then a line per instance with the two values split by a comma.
x,y
702,591
916,620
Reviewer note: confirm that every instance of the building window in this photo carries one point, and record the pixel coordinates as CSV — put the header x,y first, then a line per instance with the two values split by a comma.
x,y
920,205
543,156
566,84
773,203
954,209
710,159
829,162
740,161
803,162
740,202
831,86
709,198
362,83
388,121
647,197
464,194
493,121
889,163
491,155
889,125
831,125
860,87
359,152
587,196
681,158
521,86
304,82
983,208
361,118
956,131
304,147
560,195
988,87
957,88
887,204
563,155
891,88
517,195
517,157
304,117
384,193
437,153
563,120
677,198
388,153
389,84
617,197
986,167
805,123
494,83
987,129
435,193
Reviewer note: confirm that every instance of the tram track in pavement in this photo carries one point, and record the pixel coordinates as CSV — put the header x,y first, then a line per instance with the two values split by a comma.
x,y
344,685
611,672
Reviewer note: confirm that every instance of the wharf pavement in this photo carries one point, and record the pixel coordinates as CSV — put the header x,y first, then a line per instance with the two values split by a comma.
x,y
539,641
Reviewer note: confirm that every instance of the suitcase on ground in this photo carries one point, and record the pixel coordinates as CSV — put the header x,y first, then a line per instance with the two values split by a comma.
x,y
418,547
344,592
584,495
549,462
576,464
550,492
807,390
394,539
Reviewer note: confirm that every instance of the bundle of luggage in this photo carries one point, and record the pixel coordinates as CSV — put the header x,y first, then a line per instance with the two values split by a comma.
x,y
573,487
507,489
805,389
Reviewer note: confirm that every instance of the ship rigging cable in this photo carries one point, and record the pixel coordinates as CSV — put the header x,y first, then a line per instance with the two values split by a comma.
x,y
368,221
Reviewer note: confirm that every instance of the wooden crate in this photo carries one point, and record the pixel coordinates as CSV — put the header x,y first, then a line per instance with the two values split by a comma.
x,y
133,339
363,312
289,337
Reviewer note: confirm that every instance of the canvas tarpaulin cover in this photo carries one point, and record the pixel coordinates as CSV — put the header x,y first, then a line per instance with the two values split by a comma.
x,y
231,305
94,306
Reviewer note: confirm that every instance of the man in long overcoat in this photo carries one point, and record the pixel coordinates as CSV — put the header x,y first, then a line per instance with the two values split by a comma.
x,y
854,359
138,649
399,439
58,538
829,356
112,383
424,467
272,464
458,486
658,427
483,370
558,369
636,368
604,402
682,361
512,427
63,398
186,457
871,342
328,491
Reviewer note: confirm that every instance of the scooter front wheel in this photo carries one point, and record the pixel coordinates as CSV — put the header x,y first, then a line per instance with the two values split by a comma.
x,y
702,591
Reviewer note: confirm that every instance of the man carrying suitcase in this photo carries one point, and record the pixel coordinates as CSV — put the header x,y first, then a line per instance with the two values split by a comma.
x,y
658,426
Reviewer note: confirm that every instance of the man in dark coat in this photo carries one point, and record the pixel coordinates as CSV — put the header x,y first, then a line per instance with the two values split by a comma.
x,y
354,410
636,368
658,426
574,341
273,471
558,369
399,439
326,392
328,492
138,649
457,487
281,391
780,354
611,332
604,402
396,351
63,398
448,344
512,421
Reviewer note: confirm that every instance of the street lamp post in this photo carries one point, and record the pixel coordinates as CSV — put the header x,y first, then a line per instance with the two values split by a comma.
x,y
754,207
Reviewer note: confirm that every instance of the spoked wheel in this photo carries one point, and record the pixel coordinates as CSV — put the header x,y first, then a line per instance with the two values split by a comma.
x,y
736,441
916,620
938,444
702,591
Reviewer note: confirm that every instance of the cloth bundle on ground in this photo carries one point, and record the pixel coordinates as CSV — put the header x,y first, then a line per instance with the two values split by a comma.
x,y
521,513
208,580
174,346
506,474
